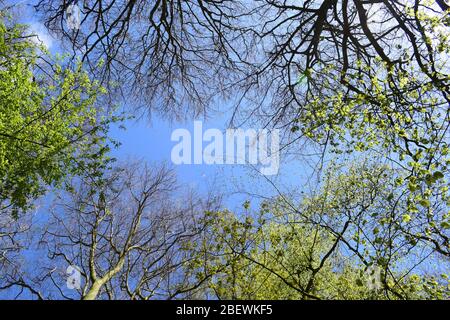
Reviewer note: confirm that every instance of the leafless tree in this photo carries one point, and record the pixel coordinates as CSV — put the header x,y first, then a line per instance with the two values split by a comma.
x,y
123,233
168,54
14,238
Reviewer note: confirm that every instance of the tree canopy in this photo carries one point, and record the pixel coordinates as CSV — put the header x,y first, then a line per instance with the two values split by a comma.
x,y
49,125
360,90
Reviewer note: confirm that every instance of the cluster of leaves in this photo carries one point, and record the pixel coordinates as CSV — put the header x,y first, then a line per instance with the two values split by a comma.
x,y
49,125
324,246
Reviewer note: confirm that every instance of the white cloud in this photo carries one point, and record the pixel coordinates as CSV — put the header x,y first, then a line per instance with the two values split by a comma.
x,y
41,35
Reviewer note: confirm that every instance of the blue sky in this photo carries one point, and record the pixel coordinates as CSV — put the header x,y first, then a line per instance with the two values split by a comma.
x,y
151,141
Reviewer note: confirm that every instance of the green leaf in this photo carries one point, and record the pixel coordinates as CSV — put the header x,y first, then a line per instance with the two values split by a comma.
x,y
406,218
445,225
438,175
424,203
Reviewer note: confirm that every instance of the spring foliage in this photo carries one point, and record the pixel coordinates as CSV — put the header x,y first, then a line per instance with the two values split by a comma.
x,y
49,125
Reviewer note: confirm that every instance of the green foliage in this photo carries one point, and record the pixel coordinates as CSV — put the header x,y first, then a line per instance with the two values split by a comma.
x,y
49,126
400,109
324,246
